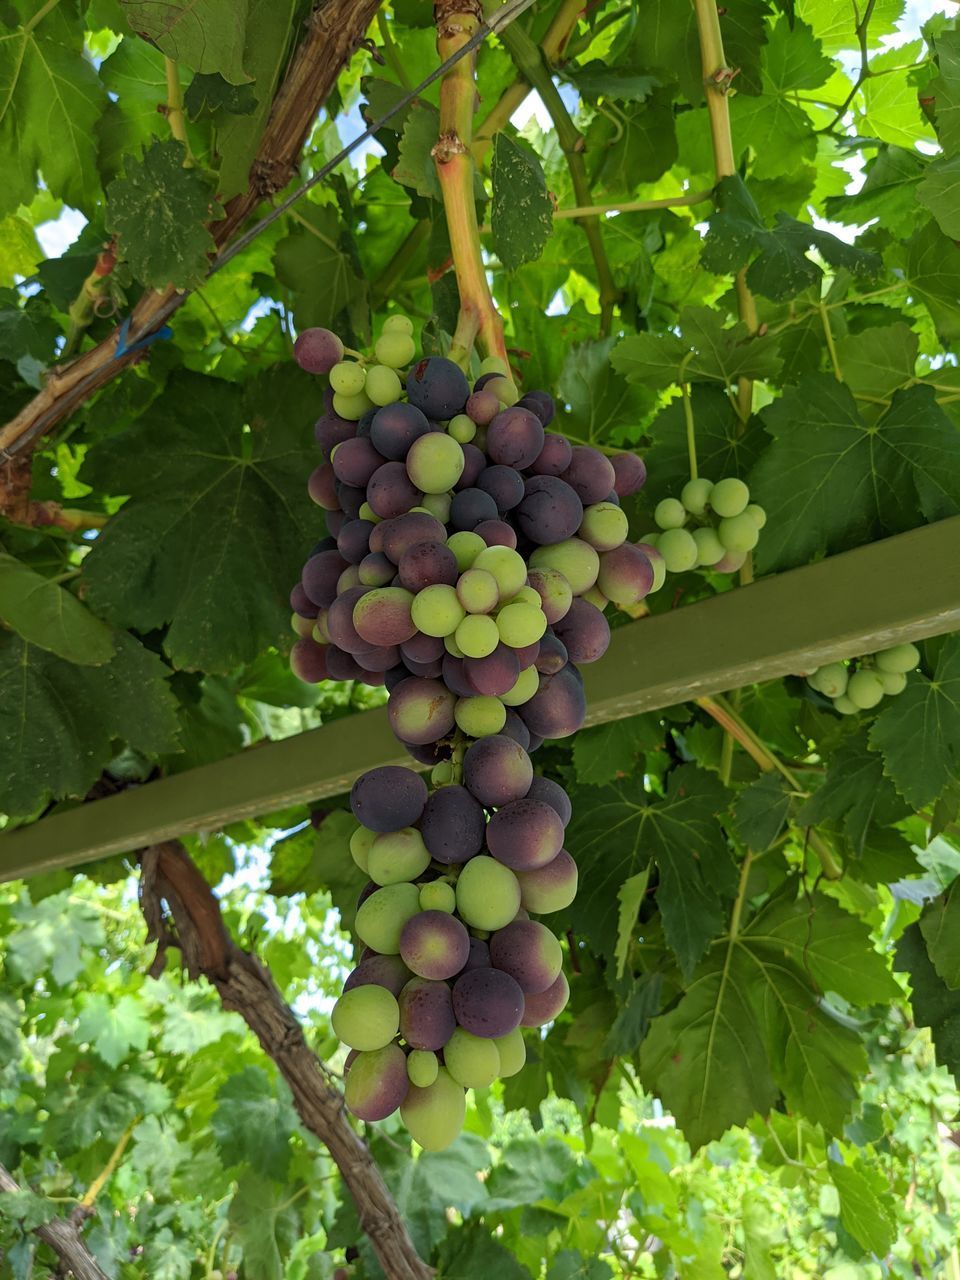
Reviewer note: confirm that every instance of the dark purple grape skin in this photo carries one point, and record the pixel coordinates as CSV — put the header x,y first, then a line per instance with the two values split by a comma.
x,y
437,387
497,770
515,438
351,499
435,945
426,670
513,727
630,474
553,655
497,533
525,834
493,675
317,350
301,603
325,544
541,403
527,656
550,511
322,487
482,407
331,430
366,422
555,456
426,564
546,1005
584,631
484,378
421,711
376,570
308,661
394,676
470,507
389,491
474,463
428,753
380,971
452,825
527,950
590,474
378,658
377,1084
455,676
353,541
558,708
388,798
504,485
394,537
421,648
479,957
427,1019
395,427
320,575
339,621
342,665
487,1002
334,520
355,461
553,794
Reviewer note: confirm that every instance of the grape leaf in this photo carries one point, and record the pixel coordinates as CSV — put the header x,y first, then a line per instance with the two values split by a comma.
x,y
630,895
207,35
891,110
570,1265
932,270
45,614
521,216
311,262
158,211
415,166
59,722
208,95
856,792
217,522
760,812
705,351
135,76
252,1125
469,1252
945,90
934,1004
940,193
779,133
639,146
262,1219
610,750
26,1208
888,192
597,80
600,401
918,733
866,1218
879,359
26,330
113,1026
840,481
794,58
940,926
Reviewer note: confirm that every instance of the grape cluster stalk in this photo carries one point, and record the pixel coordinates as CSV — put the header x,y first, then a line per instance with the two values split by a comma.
x,y
469,558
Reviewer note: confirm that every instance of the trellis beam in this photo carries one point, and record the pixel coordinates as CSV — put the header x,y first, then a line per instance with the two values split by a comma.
x,y
903,588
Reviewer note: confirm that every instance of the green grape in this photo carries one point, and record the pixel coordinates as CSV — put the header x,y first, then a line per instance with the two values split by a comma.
x,y
436,610
381,917
466,547
472,1060
526,595
596,597
396,856
504,389
604,526
513,1053
738,533
520,625
670,514
893,682
831,679
382,385
352,408
441,774
438,895
493,364
480,717
367,513
709,547
574,558
423,1067
434,1115
729,497
845,706
679,550
394,349
360,843
528,682
651,537
462,428
864,689
506,565
478,591
305,628
695,495
435,462
757,514
477,635
438,504
451,646
488,893
902,657
348,378
366,1017
398,324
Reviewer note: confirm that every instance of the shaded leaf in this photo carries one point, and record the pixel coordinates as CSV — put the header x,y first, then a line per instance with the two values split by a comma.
x,y
207,35
855,792
610,750
705,351
940,926
760,812
865,1216
45,614
113,1026
522,213
934,1004
252,1125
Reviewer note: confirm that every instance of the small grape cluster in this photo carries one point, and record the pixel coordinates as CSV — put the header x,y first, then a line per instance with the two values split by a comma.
x,y
858,684
471,553
726,526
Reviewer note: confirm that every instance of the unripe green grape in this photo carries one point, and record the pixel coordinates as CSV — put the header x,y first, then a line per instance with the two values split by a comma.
x,y
366,1017
394,349
304,627
864,689
396,856
604,526
477,635
650,537
670,514
902,657
596,597
480,717
423,1066
435,462
438,895
504,389
351,408
381,917
893,682
513,1053
348,378
845,706
695,495
729,497
367,513
679,550
434,1116
360,843
738,533
462,428
526,595
488,893
451,646
709,547
382,385
520,625
472,1061
478,591
441,774
494,364
757,514
574,558
506,565
466,547
438,504
436,610
831,679
398,324
527,684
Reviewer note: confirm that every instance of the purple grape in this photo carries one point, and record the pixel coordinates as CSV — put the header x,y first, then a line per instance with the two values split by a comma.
x,y
389,491
394,537
546,1005
528,655
437,387
388,798
495,674
525,834
553,656
317,350
482,407
378,658
426,564
555,456
322,487
630,474
452,825
331,430
376,570
529,952
553,794
301,603
427,1020
308,661
513,727
435,945
549,888
395,427
335,520
455,676
377,1083
558,707
353,542
487,1002
355,461
550,511
541,403
320,575
497,533
351,499
479,957
426,670
584,631
428,753
497,770
626,574
421,711
590,474
382,616
342,666
381,971
474,464
504,485
470,507
515,438
421,648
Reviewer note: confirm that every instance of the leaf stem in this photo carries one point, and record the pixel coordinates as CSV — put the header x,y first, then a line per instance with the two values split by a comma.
x,y
634,206
862,34
39,16
175,114
737,912
831,345
691,429
103,1177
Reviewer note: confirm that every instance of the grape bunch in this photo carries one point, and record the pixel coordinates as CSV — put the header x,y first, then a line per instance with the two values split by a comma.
x,y
469,558
710,526
858,684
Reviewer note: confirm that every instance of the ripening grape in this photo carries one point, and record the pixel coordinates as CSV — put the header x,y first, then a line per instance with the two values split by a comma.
x,y
625,575
695,495
422,1067
437,611
514,437
604,526
679,550
381,917
554,591
421,711
387,799
394,349
670,514
729,497
558,708
473,1061
471,507
513,1053
303,629
545,1005
496,770
377,1083
575,559
317,350
390,492
529,952
395,856
488,893
347,378
435,462
487,1002
438,895
434,1115
738,533
504,485
398,324
630,474
549,888
494,675
428,564
505,389
453,825
381,971
384,616
434,944
550,511
506,566
590,475
395,427
477,635
366,1017
864,689
360,845
583,631
308,661
525,834
520,624
900,658
394,537
480,716
438,387
426,1014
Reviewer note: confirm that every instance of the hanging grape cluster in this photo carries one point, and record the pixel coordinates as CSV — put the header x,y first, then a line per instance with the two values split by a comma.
x,y
471,553
858,684
710,526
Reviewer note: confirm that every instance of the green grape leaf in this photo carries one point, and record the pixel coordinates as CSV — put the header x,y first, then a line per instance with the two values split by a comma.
x,y
601,403
891,107
639,145
864,1215
879,359
835,24
47,615
135,75
779,133
944,89
415,166
597,80
940,193
217,523
630,895
26,330
856,793
940,926
158,211
840,481
918,733
570,1265
311,262
190,1023
252,1125
207,35
705,351
264,1223
207,95
794,58
59,722
610,750
932,271
934,1004
50,936
888,192
469,1252
26,1208
113,1027
20,250
760,812
521,216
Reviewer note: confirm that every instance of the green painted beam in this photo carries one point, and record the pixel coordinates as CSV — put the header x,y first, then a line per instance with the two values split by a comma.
x,y
904,588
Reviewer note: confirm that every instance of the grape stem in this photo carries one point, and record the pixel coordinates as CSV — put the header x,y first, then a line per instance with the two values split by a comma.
x,y
176,117
478,321
691,429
